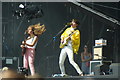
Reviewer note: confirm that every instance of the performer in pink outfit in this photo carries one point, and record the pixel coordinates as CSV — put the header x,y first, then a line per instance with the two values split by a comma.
x,y
29,46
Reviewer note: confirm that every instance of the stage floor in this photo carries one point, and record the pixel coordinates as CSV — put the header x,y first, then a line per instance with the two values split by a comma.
x,y
98,77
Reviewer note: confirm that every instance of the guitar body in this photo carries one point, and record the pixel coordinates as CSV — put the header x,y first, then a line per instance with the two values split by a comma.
x,y
64,43
23,51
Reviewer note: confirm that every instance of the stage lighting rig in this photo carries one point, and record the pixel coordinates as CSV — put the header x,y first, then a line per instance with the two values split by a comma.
x,y
29,11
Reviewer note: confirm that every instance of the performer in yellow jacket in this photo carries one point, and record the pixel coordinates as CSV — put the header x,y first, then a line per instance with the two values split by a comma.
x,y
70,42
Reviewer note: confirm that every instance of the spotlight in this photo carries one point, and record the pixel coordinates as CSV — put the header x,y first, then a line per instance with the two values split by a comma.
x,y
21,6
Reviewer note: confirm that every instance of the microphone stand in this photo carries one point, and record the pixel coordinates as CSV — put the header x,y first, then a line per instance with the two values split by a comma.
x,y
54,38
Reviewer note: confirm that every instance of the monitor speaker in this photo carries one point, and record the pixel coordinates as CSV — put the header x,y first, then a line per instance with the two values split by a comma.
x,y
95,67
10,62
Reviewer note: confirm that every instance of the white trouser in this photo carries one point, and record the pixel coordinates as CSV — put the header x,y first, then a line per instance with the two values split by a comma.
x,y
67,51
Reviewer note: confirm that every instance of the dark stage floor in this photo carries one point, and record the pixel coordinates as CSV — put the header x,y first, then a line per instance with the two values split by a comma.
x,y
98,77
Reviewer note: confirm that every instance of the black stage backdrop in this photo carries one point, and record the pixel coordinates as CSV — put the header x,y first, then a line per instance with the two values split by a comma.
x,y
55,15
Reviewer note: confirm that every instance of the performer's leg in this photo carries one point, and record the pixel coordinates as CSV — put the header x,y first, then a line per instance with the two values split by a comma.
x,y
25,59
61,60
71,60
31,61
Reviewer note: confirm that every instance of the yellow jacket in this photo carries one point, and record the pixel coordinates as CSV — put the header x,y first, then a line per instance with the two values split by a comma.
x,y
75,38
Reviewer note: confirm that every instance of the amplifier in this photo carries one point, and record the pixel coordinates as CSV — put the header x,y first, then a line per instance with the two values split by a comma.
x,y
96,64
102,53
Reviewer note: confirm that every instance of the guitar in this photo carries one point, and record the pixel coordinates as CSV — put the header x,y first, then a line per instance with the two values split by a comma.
x,y
65,42
23,49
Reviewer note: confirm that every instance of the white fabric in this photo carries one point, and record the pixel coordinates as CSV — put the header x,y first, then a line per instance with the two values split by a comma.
x,y
29,41
67,50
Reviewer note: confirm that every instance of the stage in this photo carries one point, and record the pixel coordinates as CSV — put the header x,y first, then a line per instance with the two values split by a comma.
x,y
97,22
97,77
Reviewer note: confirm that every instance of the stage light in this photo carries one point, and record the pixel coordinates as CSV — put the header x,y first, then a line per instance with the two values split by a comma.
x,y
21,6
29,11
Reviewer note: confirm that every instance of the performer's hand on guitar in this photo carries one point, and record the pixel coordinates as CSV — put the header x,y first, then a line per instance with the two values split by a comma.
x,y
62,40
69,38
22,46
23,42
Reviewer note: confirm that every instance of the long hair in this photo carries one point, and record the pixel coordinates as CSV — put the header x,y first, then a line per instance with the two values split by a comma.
x,y
38,29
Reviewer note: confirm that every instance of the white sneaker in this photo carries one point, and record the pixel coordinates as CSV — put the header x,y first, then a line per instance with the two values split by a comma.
x,y
59,75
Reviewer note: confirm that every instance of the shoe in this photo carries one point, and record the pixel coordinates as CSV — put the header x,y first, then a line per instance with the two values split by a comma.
x,y
59,75
81,74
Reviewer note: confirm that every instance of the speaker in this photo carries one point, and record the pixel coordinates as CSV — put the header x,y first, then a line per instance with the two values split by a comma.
x,y
97,53
95,67
10,62
102,53
98,67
